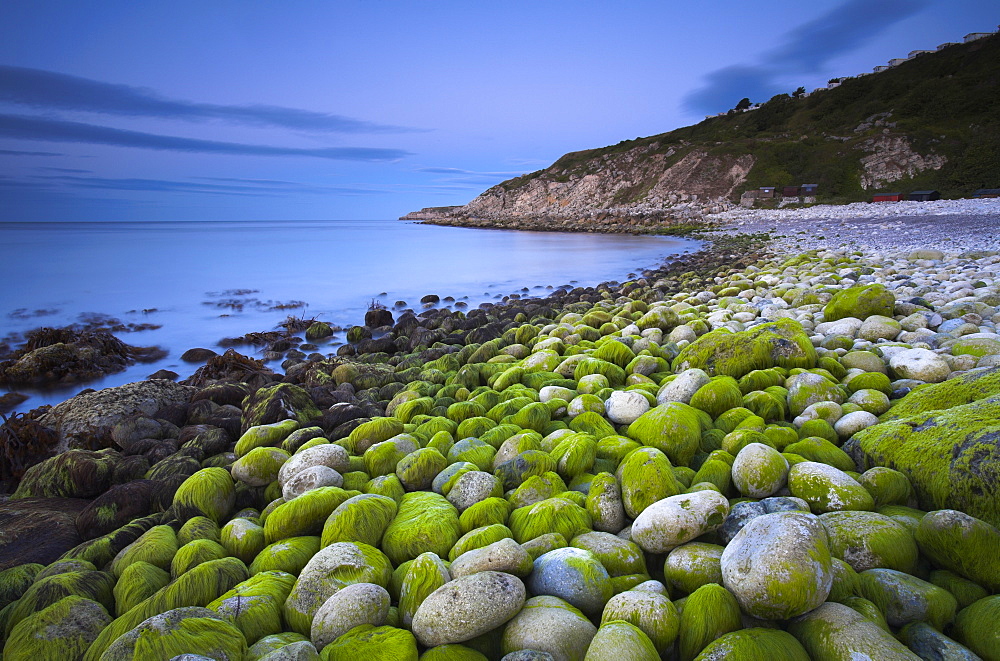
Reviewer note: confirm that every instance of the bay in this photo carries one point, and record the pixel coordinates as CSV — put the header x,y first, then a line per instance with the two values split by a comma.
x,y
205,281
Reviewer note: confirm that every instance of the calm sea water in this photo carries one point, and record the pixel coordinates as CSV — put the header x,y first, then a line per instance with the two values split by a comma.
x,y
204,281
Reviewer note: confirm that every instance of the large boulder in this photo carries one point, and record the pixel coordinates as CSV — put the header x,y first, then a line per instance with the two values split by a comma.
x,y
861,302
951,457
87,420
274,403
782,343
38,529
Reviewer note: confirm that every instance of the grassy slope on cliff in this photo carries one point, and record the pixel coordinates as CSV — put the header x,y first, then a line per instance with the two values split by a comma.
x,y
943,104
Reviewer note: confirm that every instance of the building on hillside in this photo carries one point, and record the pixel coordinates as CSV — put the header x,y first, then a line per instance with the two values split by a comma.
x,y
974,36
986,192
808,189
946,44
765,192
888,197
896,61
880,68
913,53
789,191
924,196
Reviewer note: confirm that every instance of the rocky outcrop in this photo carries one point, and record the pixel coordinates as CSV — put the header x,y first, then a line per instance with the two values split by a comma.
x,y
892,158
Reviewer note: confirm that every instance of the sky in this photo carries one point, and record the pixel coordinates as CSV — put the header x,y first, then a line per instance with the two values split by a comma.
x,y
347,109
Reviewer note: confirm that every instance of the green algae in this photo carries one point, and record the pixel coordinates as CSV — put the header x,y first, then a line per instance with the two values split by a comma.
x,y
288,555
425,521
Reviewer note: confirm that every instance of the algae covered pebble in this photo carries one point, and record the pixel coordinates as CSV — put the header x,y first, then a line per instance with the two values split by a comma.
x,y
652,612
210,492
549,624
467,607
836,631
621,641
425,521
678,519
385,643
190,630
354,605
62,630
963,544
574,575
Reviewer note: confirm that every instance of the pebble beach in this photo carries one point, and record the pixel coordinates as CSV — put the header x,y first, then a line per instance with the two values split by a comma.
x,y
784,445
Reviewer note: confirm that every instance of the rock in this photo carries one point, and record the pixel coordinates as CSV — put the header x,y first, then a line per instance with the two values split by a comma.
x,y
976,627
120,504
778,566
678,519
425,521
623,407
835,631
617,640
87,420
692,565
754,643
711,611
854,422
574,575
260,466
374,643
920,364
673,428
210,493
63,630
877,327
467,607
274,403
504,555
861,302
904,598
354,605
683,387
950,456
72,474
362,518
330,570
325,454
781,343
38,530
653,613
309,479
191,630
550,625
926,642
807,388
867,540
963,544
197,355
827,489
759,470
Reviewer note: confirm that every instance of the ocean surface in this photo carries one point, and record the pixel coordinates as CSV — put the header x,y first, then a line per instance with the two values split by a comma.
x,y
201,282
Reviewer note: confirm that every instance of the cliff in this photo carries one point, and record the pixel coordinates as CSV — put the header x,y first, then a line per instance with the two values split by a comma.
x,y
929,123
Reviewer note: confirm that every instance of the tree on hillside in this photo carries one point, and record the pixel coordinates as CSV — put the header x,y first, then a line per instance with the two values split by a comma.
x,y
799,92
743,104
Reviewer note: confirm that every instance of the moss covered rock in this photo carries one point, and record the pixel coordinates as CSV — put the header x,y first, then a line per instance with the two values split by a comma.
x,y
354,605
550,625
425,521
210,492
836,631
976,627
860,302
621,641
903,598
255,605
574,575
188,630
63,630
332,568
965,545
951,457
551,515
710,612
467,607
289,555
759,470
425,574
779,565
645,476
276,403
692,565
673,428
385,643
867,540
754,643
781,343
827,489
363,518
305,515
679,519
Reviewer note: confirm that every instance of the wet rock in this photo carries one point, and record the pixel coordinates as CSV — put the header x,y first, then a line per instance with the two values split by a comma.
x,y
87,420
199,355
38,529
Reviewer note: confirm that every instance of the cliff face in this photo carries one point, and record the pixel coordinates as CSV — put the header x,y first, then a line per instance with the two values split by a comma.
x,y
929,123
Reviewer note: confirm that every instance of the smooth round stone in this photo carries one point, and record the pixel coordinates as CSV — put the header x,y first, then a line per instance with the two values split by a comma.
x,y
505,555
351,606
878,327
574,575
549,624
779,565
472,488
311,478
327,454
854,422
828,489
848,326
759,470
623,407
467,607
621,640
678,519
920,364
302,650
682,388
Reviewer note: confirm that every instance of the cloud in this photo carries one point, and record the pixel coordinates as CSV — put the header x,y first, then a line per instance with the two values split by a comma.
x,y
805,50
53,130
12,152
57,91
65,170
241,187
469,172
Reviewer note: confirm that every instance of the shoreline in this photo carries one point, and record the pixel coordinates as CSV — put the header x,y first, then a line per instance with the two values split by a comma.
x,y
585,419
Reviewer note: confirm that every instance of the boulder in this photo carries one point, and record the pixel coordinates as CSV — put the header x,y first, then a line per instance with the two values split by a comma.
x,y
467,607
781,343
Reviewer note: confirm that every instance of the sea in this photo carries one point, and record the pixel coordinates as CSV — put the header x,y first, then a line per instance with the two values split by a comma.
x,y
182,285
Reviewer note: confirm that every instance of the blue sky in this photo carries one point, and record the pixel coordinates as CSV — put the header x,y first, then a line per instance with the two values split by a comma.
x,y
235,110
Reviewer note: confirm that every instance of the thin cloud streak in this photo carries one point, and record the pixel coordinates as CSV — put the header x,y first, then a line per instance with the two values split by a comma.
x,y
42,89
21,127
254,187
14,152
806,49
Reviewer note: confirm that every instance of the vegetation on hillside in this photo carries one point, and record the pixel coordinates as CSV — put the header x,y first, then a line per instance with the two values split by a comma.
x,y
942,103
